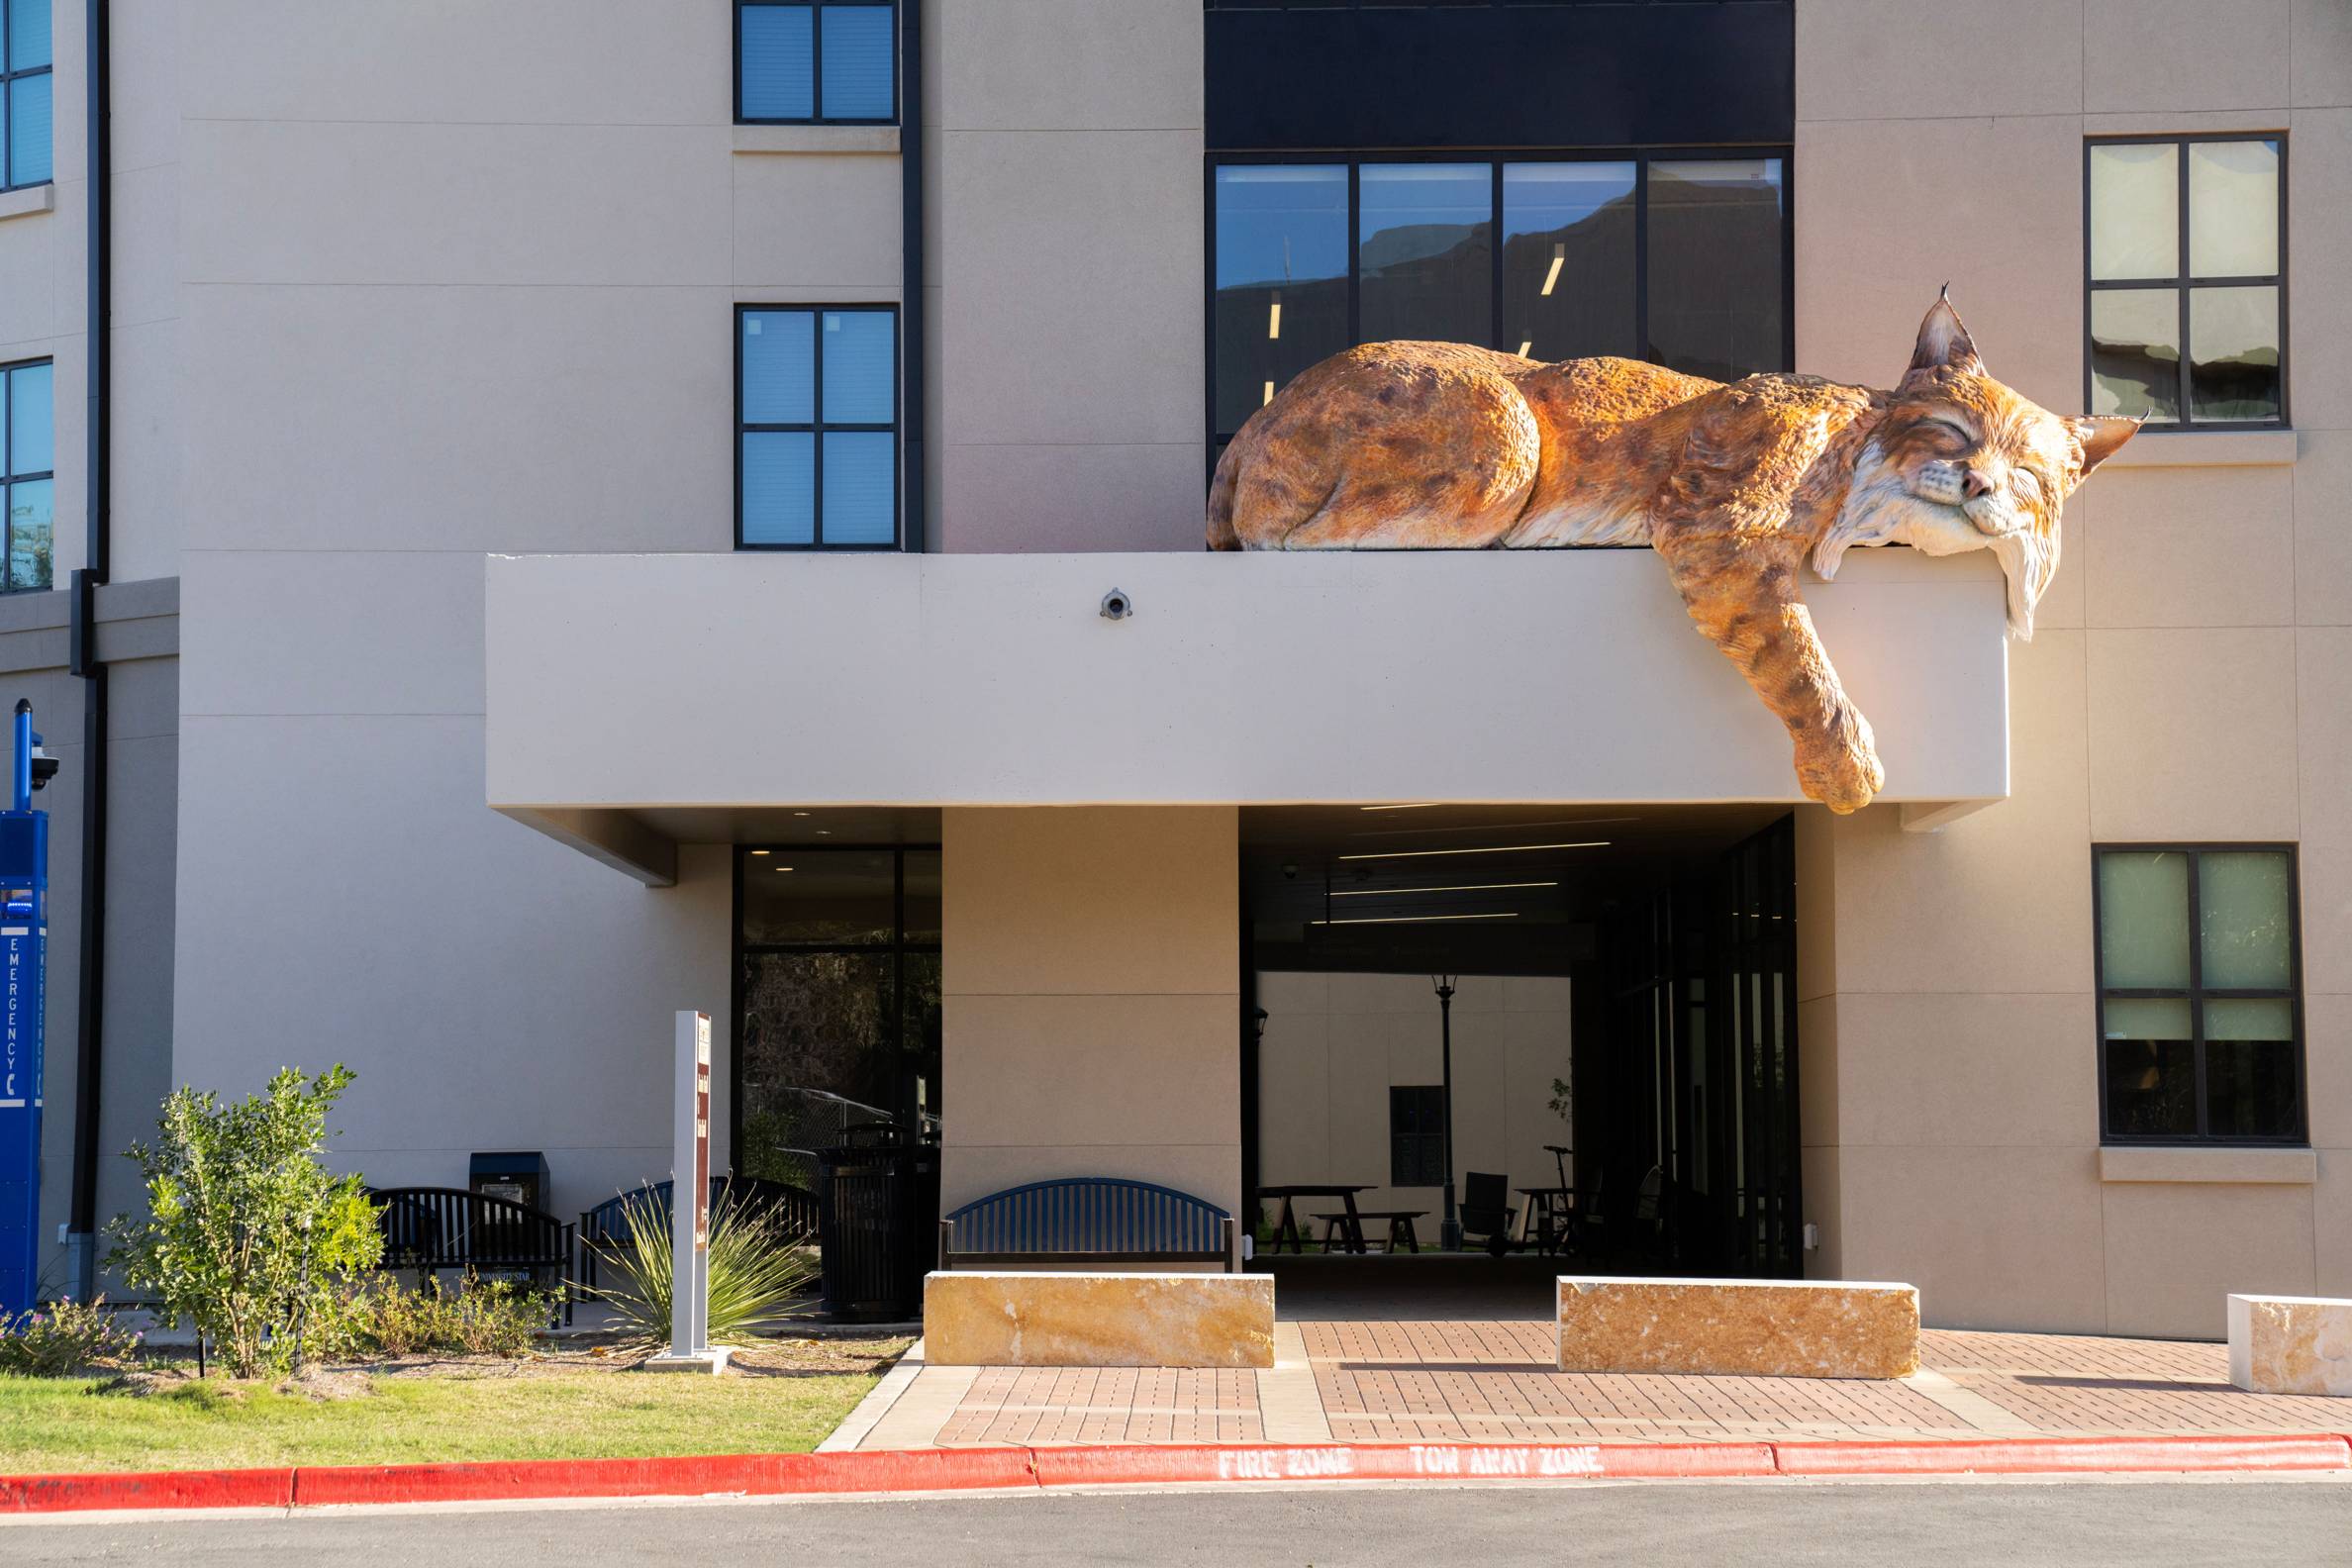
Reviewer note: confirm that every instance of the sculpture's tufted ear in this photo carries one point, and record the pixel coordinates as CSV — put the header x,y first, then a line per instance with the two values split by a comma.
x,y
2102,438
1944,344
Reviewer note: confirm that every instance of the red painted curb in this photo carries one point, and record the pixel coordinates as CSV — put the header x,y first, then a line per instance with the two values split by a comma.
x,y
705,1475
1131,1464
153,1489
2056,1455
967,1469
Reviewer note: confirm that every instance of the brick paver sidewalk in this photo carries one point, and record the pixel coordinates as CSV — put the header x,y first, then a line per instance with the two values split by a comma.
x,y
1494,1382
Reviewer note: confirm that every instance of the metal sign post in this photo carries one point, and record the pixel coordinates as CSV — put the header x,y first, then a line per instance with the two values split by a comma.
x,y
24,965
690,1208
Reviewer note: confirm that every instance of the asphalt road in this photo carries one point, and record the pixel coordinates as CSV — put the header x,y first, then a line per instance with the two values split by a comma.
x,y
2013,1525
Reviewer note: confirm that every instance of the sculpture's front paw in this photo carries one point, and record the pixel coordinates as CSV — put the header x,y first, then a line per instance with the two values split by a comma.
x,y
1842,770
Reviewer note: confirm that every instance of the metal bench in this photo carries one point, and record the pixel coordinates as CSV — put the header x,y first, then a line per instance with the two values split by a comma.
x,y
1085,1220
606,1224
431,1228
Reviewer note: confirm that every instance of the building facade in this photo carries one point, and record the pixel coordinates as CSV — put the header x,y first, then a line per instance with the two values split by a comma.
x,y
599,509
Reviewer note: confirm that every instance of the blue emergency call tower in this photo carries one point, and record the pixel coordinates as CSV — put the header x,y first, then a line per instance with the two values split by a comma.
x,y
24,966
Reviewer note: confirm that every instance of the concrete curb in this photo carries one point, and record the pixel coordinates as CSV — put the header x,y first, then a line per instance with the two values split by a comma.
x,y
978,1469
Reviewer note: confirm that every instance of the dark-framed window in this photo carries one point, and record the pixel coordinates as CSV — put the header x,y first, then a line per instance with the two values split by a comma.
x,y
836,997
1416,1135
27,457
817,63
2185,280
816,449
1682,257
2200,994
26,83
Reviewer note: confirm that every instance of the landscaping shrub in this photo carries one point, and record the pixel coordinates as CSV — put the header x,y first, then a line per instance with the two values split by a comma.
x,y
70,1337
246,1235
758,1269
482,1317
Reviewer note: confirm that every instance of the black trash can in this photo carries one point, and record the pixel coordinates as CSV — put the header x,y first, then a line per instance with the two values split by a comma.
x,y
878,1223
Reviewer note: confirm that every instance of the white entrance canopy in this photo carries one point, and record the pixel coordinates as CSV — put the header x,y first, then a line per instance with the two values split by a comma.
x,y
681,685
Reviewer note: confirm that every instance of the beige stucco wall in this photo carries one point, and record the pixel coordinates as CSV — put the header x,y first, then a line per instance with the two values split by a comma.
x,y
1334,1043
1064,165
2191,679
1090,997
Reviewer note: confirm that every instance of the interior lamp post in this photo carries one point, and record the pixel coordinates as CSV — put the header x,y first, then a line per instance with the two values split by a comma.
x,y
1449,1231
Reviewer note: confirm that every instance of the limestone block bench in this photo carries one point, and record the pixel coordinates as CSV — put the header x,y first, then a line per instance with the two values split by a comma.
x,y
977,1317
1741,1327
2291,1345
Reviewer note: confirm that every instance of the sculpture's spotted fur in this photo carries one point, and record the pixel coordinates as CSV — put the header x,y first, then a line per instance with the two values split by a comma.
x,y
1420,445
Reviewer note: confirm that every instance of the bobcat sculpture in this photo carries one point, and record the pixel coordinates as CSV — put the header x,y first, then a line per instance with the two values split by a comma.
x,y
1428,446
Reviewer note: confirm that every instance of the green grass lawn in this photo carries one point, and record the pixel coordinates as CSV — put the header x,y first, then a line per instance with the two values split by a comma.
x,y
50,1424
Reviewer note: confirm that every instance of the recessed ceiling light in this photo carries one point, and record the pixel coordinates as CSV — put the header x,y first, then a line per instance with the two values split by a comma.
x,y
1457,887
825,832
800,813
1551,279
1402,805
760,851
1414,854
783,868
1274,318
1410,920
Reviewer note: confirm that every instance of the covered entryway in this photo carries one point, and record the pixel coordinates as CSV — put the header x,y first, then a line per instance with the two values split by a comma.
x,y
1598,1005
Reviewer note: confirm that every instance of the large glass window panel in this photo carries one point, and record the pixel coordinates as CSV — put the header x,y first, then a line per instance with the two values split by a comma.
x,y
1282,260
1716,282
779,367
812,1021
861,487
860,368
29,35
28,130
2135,352
860,72
31,530
2136,209
31,420
780,487
778,62
2233,367
2233,208
2144,921
2244,940
922,896
1568,275
2151,1068
2250,1076
1425,251
830,896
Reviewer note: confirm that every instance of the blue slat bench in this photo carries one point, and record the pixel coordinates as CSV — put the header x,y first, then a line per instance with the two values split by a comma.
x,y
1084,1221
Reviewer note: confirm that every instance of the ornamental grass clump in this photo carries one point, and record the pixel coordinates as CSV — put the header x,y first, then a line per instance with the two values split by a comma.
x,y
246,1235
484,1317
758,1269
70,1337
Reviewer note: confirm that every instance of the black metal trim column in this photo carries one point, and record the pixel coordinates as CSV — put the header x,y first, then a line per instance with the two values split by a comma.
x,y
911,306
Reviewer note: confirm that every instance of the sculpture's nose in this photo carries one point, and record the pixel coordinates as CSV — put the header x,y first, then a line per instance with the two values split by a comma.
x,y
1974,484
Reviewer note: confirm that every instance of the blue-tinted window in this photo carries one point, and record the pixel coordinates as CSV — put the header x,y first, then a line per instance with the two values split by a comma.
x,y
25,82
816,456
817,60
27,455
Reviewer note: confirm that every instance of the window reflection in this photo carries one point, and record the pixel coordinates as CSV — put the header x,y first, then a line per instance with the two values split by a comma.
x,y
1715,280
1568,261
2233,208
1282,255
2135,352
2233,341
1425,250
2135,200
2151,1070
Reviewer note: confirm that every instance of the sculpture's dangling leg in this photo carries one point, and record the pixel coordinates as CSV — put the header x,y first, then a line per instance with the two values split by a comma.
x,y
1743,595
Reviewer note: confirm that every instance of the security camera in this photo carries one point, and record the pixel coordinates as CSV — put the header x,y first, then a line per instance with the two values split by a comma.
x,y
1116,606
45,768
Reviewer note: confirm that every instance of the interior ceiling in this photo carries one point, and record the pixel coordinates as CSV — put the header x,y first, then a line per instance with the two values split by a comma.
x,y
1358,867
834,826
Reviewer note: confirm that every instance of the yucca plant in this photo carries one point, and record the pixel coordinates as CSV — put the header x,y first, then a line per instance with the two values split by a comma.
x,y
758,1269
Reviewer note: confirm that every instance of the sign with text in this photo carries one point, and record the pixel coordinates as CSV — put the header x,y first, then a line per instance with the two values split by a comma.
x,y
690,1191
24,945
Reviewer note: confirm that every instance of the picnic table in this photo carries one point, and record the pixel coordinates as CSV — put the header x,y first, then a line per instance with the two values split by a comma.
x,y
1286,1225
